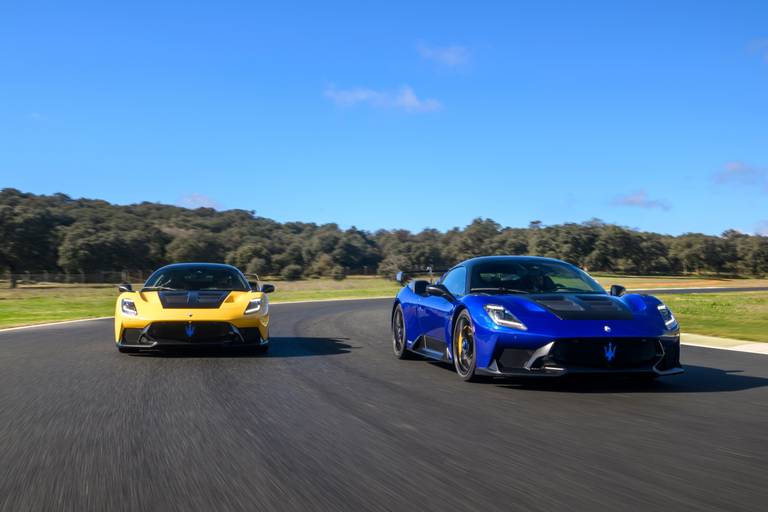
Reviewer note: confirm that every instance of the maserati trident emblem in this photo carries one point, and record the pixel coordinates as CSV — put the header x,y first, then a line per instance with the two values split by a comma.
x,y
610,352
190,330
605,327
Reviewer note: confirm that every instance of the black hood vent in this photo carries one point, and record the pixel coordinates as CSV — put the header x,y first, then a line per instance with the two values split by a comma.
x,y
192,299
583,307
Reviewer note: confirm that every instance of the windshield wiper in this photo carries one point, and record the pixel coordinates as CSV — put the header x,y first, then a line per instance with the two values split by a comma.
x,y
160,288
497,289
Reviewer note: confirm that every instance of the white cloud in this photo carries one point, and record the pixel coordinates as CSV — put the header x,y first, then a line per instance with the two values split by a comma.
x,y
450,56
403,99
640,199
739,173
195,200
762,228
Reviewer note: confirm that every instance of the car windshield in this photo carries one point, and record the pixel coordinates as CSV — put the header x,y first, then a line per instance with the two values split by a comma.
x,y
196,278
531,277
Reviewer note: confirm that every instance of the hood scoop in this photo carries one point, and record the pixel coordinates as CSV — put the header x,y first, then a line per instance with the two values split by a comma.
x,y
192,299
583,307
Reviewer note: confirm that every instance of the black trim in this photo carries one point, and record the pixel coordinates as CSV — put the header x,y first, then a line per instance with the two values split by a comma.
x,y
192,299
583,307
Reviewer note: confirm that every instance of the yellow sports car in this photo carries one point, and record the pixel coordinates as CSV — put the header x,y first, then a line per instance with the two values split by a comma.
x,y
193,304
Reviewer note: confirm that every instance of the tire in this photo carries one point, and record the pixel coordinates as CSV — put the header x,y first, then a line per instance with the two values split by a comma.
x,y
463,348
398,334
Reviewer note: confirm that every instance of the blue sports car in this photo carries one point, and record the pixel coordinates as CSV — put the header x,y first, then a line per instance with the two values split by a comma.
x,y
509,316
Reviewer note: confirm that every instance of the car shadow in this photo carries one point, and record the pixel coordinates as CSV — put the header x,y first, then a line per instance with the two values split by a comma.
x,y
295,346
696,379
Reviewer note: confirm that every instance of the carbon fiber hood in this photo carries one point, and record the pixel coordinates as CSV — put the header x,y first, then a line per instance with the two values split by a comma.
x,y
192,299
583,306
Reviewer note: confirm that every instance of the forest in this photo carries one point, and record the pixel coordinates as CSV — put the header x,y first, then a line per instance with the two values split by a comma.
x,y
56,233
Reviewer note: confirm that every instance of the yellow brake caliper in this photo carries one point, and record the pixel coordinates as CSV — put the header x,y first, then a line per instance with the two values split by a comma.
x,y
461,341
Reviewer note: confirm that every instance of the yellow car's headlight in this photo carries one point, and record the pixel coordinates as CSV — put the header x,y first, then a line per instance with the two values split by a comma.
x,y
128,307
254,306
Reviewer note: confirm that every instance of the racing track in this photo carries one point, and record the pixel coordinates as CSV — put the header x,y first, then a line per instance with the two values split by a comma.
x,y
331,421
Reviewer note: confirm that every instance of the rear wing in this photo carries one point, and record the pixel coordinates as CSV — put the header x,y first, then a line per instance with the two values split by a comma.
x,y
404,276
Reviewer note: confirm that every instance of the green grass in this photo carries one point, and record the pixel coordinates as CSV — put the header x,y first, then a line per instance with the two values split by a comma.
x,y
742,316
733,315
34,306
26,306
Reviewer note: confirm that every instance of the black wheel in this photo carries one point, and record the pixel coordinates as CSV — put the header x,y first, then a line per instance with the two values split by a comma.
x,y
398,334
463,347
127,350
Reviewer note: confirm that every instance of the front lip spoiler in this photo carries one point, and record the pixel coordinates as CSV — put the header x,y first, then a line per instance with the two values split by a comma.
x,y
157,344
528,370
549,372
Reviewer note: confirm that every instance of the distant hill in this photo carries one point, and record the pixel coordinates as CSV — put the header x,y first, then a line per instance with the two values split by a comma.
x,y
57,233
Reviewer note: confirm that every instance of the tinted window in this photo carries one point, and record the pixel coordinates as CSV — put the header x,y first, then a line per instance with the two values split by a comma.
x,y
532,277
197,278
456,281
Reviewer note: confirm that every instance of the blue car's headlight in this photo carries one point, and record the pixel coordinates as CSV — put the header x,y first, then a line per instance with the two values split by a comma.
x,y
667,316
253,307
501,316
128,307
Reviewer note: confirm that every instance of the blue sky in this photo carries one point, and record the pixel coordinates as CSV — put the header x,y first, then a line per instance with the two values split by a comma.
x,y
401,114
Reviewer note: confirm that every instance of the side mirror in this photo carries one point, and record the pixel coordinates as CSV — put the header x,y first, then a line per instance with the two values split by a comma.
x,y
125,287
617,290
401,278
438,290
267,288
420,287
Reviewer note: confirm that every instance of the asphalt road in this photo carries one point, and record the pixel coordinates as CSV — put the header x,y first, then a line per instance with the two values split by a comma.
x,y
330,420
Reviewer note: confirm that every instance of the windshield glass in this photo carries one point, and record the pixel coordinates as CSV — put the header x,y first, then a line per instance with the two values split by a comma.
x,y
197,278
531,277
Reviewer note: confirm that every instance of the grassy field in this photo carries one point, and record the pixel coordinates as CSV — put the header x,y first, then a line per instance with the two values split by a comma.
x,y
741,315
650,282
737,315
40,304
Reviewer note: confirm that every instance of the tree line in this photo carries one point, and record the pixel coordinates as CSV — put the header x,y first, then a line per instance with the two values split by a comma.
x,y
56,233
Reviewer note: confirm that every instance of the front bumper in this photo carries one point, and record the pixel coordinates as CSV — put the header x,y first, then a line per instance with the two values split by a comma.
x,y
191,334
650,356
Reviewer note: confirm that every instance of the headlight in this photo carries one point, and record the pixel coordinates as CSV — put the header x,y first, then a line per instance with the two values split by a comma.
x,y
128,307
667,316
501,316
253,307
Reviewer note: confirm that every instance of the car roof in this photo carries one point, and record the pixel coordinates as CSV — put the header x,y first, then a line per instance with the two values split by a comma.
x,y
201,264
496,259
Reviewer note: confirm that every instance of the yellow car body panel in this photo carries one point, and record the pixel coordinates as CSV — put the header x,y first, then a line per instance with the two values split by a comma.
x,y
149,309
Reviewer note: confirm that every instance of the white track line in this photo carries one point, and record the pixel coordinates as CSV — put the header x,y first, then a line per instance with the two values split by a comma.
x,y
63,322
749,347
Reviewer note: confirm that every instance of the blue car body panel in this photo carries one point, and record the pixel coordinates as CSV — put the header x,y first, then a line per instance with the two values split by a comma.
x,y
429,322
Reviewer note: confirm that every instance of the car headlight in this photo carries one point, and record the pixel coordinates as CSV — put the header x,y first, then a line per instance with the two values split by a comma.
x,y
253,307
667,316
501,316
128,307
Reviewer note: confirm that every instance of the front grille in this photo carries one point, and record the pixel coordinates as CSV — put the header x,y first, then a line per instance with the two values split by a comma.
x,y
513,358
131,335
192,332
251,334
605,353
671,355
